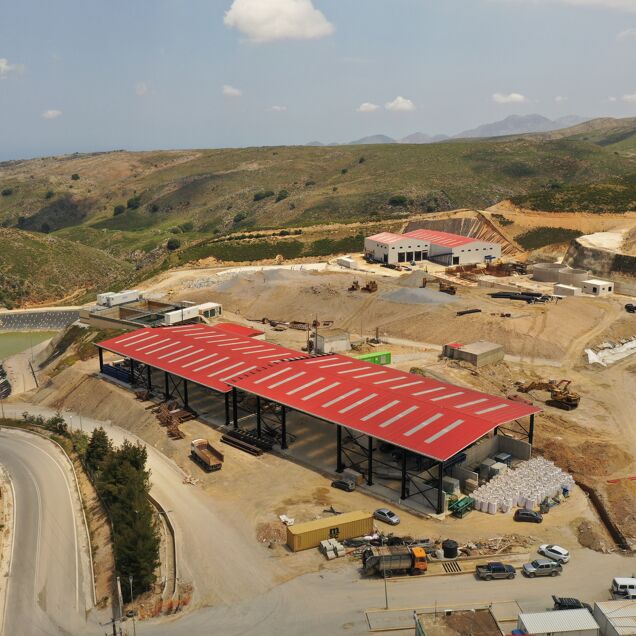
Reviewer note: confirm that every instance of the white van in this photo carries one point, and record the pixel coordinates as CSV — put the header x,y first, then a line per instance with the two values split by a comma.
x,y
624,588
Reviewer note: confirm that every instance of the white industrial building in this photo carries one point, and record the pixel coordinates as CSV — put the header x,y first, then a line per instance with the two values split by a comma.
x,y
112,299
616,618
575,622
597,287
332,341
420,245
191,312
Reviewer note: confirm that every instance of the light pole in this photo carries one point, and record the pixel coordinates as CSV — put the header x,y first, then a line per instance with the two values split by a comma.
x,y
130,580
386,591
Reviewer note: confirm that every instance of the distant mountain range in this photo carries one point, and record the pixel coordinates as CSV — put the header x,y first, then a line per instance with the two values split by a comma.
x,y
512,125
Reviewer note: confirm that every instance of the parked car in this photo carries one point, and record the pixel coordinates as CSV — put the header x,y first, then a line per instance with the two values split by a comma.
x,y
528,515
495,570
566,603
386,515
623,588
344,484
542,567
554,552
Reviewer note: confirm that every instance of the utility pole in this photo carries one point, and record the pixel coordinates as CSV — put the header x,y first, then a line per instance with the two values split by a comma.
x,y
130,579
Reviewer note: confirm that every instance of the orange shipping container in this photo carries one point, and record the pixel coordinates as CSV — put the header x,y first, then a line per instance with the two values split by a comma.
x,y
303,536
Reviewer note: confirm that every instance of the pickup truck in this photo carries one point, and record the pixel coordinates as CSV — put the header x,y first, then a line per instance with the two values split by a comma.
x,y
495,570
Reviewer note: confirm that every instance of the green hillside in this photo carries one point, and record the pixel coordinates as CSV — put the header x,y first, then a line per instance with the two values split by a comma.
x,y
38,268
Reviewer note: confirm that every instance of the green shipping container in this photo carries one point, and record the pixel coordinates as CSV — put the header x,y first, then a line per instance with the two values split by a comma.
x,y
302,536
381,357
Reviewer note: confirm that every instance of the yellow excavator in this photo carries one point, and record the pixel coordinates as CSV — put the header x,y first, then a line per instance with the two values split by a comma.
x,y
560,395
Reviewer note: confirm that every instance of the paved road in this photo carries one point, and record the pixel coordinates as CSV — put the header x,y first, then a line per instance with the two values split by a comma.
x,y
50,589
328,602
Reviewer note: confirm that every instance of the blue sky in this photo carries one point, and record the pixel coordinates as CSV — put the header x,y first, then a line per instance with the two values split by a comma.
x,y
146,74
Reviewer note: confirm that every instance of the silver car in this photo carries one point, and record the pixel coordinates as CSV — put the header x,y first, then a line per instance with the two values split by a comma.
x,y
542,567
386,515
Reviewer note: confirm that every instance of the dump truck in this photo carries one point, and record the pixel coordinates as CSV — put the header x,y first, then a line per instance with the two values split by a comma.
x,y
447,288
204,454
389,560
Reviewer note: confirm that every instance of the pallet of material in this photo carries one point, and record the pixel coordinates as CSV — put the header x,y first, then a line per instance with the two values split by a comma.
x,y
182,415
241,445
249,437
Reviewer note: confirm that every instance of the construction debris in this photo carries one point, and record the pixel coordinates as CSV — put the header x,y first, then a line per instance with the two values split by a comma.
x,y
609,353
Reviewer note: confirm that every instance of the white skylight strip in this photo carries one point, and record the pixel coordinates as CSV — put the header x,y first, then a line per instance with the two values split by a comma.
x,y
422,425
189,364
439,388
286,379
358,403
187,355
188,329
320,391
491,408
356,370
447,396
209,364
443,432
403,386
227,377
216,341
232,366
172,344
304,386
386,407
136,342
272,375
337,364
276,355
471,403
153,344
367,375
319,360
399,416
344,396
388,380
166,355
135,336
246,348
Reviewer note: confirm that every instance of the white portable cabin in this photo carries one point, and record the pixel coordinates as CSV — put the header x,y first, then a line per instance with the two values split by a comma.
x,y
575,622
112,299
597,287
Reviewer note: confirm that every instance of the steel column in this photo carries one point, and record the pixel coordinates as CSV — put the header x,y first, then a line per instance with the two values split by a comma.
x,y
370,461
283,427
531,433
440,490
227,409
258,416
403,493
234,407
166,391
149,376
185,393
132,372
101,360
339,465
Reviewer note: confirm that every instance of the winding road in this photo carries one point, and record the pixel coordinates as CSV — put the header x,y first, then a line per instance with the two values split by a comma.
x,y
50,589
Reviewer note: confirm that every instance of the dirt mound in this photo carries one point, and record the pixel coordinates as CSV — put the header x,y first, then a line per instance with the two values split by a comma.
x,y
621,497
589,537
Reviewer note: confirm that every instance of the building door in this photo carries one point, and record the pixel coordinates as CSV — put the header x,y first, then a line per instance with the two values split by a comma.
x,y
455,260
385,258
409,257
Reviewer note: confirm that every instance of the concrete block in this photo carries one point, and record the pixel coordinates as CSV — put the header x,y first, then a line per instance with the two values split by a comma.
x,y
450,485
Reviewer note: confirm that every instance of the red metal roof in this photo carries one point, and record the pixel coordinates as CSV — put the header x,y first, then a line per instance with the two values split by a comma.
x,y
387,237
441,238
203,354
422,415
239,330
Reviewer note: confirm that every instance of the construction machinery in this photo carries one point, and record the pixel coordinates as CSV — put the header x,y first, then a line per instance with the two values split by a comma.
x,y
370,287
397,559
355,286
204,454
560,395
447,288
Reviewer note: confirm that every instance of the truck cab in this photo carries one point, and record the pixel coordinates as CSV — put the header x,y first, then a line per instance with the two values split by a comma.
x,y
420,564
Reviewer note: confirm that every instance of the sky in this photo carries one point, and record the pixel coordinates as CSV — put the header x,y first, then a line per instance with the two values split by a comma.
x,y
83,76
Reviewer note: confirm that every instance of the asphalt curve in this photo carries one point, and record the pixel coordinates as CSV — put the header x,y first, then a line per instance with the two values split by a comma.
x,y
50,588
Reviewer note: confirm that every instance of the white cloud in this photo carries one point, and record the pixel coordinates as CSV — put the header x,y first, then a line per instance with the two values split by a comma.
x,y
279,109
621,5
510,98
270,20
560,98
611,99
6,68
52,114
400,104
626,34
141,89
630,99
231,91
367,107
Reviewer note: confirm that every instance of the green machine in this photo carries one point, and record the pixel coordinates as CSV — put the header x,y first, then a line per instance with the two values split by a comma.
x,y
381,357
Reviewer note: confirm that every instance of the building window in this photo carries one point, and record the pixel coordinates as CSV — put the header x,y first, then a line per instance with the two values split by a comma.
x,y
418,256
409,256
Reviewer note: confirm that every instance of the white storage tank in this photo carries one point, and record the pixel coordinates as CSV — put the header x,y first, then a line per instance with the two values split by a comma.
x,y
573,276
547,272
